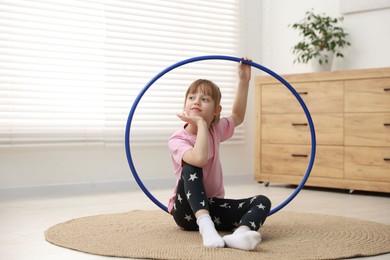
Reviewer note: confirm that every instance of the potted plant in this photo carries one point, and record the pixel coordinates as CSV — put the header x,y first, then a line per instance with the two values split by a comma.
x,y
323,37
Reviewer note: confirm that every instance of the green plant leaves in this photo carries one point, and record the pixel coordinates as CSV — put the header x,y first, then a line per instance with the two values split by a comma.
x,y
319,33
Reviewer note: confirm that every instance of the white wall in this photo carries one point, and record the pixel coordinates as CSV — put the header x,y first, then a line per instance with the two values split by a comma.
x,y
267,40
369,35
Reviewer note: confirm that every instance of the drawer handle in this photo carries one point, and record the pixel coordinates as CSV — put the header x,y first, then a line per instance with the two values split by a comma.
x,y
386,89
386,159
299,124
386,124
306,93
299,155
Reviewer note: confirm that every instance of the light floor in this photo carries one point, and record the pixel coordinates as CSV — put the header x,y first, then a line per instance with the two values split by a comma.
x,y
23,221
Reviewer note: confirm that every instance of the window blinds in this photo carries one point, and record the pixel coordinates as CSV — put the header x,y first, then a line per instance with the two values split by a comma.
x,y
70,70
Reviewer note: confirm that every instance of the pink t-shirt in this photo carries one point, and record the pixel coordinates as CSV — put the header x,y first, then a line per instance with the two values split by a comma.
x,y
182,141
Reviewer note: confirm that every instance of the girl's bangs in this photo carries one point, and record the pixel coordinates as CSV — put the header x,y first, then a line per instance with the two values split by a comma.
x,y
205,87
202,88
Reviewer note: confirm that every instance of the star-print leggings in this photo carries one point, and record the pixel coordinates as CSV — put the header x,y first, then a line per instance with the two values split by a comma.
x,y
227,214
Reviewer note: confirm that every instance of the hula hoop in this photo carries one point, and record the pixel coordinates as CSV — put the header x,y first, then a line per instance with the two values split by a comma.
x,y
229,58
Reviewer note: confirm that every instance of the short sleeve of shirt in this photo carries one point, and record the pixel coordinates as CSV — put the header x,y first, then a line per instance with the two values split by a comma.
x,y
225,128
178,145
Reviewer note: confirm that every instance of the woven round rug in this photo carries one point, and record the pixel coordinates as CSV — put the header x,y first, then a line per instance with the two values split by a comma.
x,y
286,235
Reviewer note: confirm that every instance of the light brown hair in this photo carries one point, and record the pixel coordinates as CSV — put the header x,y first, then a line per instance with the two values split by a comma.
x,y
209,88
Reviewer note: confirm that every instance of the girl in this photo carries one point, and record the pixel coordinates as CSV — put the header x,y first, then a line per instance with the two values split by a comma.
x,y
198,201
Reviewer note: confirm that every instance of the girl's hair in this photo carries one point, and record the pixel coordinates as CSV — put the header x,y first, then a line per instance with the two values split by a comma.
x,y
209,88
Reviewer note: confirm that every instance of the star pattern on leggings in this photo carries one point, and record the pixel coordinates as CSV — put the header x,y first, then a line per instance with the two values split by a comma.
x,y
188,195
179,198
192,177
225,205
241,205
253,224
217,221
261,206
188,217
252,199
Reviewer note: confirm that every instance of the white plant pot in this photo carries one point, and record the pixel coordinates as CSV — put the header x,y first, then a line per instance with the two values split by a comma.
x,y
324,66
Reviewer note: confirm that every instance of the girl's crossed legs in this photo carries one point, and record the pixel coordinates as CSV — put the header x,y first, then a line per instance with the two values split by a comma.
x,y
226,214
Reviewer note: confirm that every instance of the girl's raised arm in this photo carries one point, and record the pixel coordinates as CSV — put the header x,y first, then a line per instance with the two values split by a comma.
x,y
240,101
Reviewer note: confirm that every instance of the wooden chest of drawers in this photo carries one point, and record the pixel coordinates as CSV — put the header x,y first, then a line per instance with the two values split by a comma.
x,y
351,115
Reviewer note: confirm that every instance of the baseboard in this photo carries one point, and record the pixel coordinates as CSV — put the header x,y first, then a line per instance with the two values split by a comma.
x,y
77,189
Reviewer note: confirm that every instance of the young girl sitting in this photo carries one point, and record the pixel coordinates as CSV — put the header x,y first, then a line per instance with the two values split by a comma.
x,y
198,201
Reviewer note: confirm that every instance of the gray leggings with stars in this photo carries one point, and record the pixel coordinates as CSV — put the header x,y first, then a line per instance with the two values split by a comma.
x,y
227,214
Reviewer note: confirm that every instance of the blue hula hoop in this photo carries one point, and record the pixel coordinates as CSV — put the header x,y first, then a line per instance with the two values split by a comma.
x,y
229,58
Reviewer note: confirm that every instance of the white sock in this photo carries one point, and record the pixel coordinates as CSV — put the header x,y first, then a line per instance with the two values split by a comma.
x,y
243,239
210,236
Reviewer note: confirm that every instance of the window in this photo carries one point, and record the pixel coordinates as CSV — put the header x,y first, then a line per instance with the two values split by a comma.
x,y
70,70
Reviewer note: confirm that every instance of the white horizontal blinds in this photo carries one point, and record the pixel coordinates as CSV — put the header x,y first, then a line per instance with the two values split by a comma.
x,y
70,70
51,72
143,38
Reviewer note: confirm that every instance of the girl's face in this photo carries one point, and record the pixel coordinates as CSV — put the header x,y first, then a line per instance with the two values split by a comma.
x,y
201,104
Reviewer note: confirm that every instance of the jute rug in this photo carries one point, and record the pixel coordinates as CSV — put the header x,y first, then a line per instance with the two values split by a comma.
x,y
286,235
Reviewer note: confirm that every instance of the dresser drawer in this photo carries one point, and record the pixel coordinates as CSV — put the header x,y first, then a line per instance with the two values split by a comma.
x,y
370,95
367,129
367,163
319,97
294,129
293,160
